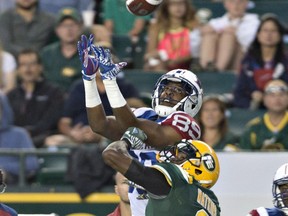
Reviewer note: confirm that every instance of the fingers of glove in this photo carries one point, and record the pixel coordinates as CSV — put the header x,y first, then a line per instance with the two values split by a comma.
x,y
90,43
103,55
96,50
84,42
80,51
107,55
91,39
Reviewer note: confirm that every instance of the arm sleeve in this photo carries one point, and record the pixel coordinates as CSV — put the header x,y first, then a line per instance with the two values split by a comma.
x,y
247,30
6,34
148,178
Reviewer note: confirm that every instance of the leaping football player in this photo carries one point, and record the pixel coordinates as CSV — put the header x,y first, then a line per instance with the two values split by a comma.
x,y
176,99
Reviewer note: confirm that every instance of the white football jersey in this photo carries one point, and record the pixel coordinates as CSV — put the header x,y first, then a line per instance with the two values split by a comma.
x,y
181,122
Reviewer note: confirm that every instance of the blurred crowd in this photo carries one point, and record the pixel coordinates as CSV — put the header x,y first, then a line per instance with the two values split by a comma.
x,y
41,91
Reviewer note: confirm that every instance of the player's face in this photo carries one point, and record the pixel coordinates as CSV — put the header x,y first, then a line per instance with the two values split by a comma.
x,y
179,158
172,93
284,191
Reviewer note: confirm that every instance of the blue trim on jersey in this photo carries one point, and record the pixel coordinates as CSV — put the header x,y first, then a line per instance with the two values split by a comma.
x,y
274,212
149,114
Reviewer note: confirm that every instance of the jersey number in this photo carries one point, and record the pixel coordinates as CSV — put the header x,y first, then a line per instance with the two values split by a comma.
x,y
186,125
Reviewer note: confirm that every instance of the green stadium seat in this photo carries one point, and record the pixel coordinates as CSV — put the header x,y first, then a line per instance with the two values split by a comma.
x,y
217,83
144,81
53,169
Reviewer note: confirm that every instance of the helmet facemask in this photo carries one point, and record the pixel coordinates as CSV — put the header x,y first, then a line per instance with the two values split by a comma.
x,y
190,103
280,196
197,158
170,153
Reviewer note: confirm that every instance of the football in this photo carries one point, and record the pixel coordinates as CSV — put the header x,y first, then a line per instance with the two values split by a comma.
x,y
142,7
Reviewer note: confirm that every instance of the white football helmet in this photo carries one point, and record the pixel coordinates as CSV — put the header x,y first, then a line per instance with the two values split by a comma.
x,y
190,103
280,197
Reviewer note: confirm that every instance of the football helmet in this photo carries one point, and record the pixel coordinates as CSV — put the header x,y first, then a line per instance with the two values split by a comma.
x,y
201,160
190,104
280,197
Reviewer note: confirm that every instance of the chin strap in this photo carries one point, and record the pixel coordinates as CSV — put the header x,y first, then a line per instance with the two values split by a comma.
x,y
164,111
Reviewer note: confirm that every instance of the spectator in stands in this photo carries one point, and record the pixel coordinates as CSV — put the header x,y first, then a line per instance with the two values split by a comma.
x,y
265,60
60,59
269,131
54,6
25,27
280,196
121,189
16,138
7,71
168,44
37,104
74,126
226,39
214,125
119,21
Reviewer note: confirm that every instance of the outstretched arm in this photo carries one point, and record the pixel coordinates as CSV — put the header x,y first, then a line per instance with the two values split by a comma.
x,y
116,155
98,120
159,135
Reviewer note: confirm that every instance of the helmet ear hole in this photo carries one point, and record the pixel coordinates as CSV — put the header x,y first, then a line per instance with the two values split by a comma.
x,y
198,172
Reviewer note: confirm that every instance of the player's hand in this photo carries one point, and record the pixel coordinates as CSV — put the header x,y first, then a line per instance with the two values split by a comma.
x,y
89,62
134,137
109,70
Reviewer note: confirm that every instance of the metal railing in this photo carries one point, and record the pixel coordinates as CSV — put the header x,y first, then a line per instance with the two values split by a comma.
x,y
23,153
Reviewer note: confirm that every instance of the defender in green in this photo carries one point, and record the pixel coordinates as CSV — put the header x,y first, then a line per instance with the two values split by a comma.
x,y
179,185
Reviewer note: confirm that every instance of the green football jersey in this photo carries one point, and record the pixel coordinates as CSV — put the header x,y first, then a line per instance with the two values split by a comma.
x,y
185,198
260,133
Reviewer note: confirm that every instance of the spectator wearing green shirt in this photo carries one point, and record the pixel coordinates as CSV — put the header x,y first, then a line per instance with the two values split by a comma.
x,y
60,59
269,132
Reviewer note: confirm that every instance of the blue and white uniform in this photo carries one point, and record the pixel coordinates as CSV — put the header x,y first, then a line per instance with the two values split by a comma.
x,y
184,124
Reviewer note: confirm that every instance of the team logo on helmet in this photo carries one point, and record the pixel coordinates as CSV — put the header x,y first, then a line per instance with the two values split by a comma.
x,y
208,162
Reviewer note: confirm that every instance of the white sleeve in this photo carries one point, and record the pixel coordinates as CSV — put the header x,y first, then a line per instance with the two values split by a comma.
x,y
247,29
195,41
219,23
8,62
